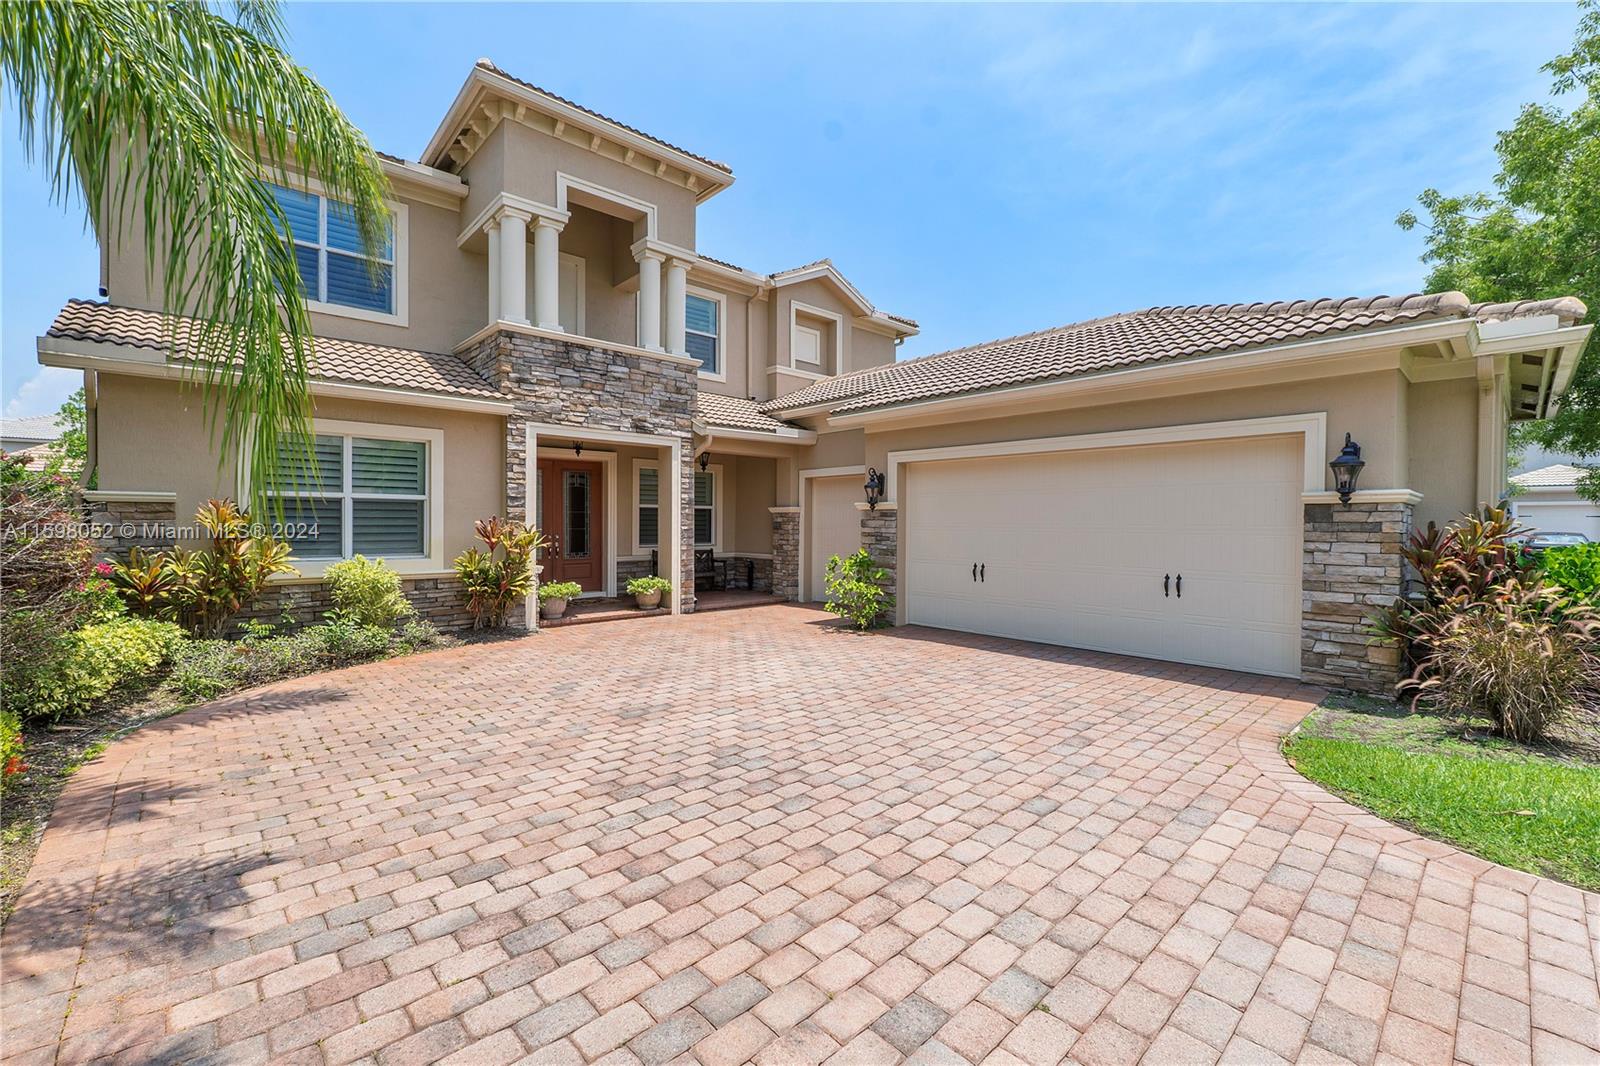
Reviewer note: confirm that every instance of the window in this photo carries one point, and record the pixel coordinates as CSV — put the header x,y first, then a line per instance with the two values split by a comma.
x,y
807,345
648,494
334,269
705,509
364,495
702,331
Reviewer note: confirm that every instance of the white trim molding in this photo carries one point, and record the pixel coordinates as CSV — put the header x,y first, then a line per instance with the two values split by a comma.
x,y
565,183
1410,496
129,496
1312,426
432,558
561,335
841,338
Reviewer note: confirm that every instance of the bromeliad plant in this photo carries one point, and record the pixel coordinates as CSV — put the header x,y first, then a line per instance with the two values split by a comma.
x,y
203,590
1487,635
496,578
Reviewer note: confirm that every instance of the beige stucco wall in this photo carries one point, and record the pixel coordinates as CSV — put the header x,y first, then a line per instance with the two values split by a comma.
x,y
1367,405
151,435
1441,434
754,483
447,288
524,162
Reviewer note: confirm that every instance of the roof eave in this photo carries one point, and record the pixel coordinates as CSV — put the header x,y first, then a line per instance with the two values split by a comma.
x,y
482,81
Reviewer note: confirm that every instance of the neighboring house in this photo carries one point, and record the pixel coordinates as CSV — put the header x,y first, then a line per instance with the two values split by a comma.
x,y
1153,483
1547,500
21,434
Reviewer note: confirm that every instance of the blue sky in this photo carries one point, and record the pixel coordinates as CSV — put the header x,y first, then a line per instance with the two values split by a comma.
x,y
987,170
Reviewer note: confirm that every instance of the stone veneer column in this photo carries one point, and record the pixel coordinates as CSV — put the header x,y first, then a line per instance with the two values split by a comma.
x,y
786,552
1352,568
880,535
582,383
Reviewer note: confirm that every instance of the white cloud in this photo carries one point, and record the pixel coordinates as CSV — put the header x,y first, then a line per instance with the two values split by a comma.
x,y
44,392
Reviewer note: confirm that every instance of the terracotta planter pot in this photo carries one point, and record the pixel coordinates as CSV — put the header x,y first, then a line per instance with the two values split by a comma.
x,y
648,600
550,610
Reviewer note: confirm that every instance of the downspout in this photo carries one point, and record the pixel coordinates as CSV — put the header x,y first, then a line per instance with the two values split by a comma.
x,y
91,428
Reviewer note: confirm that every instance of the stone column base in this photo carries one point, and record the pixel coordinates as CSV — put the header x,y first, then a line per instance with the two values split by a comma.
x,y
786,552
1352,569
880,535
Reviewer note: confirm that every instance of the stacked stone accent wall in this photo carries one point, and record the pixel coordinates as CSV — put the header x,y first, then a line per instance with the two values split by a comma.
x,y
880,535
573,383
739,568
786,553
440,600
123,524
1352,569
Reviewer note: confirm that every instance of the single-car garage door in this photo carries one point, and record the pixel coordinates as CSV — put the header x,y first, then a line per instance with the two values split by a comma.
x,y
1188,552
835,528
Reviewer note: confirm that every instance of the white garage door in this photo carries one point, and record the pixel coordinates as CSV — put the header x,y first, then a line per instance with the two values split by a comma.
x,y
1077,548
1561,517
835,528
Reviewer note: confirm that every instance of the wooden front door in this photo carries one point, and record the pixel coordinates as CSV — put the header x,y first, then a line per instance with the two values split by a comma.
x,y
571,515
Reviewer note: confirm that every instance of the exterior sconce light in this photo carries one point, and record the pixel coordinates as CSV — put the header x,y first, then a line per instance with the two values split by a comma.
x,y
875,483
577,447
705,461
1346,469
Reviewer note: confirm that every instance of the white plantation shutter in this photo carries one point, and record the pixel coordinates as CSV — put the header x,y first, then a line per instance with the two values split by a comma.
x,y
360,495
649,507
334,268
388,466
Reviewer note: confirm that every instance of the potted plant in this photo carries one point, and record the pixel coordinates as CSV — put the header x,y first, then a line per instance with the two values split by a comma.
x,y
553,598
647,591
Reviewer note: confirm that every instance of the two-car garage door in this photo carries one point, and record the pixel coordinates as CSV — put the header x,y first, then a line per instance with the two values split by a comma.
x,y
1189,552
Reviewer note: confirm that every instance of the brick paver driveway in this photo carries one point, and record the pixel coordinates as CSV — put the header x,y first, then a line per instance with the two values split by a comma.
x,y
749,836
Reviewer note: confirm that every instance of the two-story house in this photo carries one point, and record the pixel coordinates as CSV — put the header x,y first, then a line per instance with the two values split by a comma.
x,y
544,338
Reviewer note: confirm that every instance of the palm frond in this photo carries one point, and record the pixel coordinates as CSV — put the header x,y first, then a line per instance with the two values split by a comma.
x,y
165,117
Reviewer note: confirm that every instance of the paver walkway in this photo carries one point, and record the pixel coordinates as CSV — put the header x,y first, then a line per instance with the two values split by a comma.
x,y
750,836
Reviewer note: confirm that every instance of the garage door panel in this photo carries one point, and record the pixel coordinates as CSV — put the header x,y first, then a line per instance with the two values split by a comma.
x,y
1074,547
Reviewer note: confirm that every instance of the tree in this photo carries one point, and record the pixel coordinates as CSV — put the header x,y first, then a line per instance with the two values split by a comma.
x,y
70,450
173,112
1537,235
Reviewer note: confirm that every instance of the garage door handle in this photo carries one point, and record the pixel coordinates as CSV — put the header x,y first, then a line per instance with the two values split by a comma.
x,y
974,571
981,568
1166,585
1180,586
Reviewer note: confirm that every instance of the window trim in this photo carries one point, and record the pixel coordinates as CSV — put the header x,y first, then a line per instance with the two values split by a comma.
x,y
841,361
718,509
639,466
431,561
400,221
721,300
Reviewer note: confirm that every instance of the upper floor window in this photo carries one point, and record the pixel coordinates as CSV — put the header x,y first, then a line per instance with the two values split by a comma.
x,y
335,271
702,331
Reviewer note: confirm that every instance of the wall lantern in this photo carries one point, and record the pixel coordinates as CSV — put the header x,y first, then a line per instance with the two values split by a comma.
x,y
577,447
1346,469
705,461
875,482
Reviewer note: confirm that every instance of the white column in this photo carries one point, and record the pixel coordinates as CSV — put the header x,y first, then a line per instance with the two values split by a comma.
x,y
677,289
514,265
547,273
650,300
493,230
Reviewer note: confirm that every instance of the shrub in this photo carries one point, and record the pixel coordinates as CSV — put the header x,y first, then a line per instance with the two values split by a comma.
x,y
1485,634
47,566
496,578
857,592
1575,568
206,669
560,590
367,592
202,590
11,762
91,662
643,586
1527,661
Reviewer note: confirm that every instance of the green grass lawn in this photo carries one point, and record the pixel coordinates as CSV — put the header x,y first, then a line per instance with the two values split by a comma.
x,y
1531,808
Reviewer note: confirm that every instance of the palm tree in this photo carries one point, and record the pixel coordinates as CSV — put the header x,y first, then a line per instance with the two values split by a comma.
x,y
174,113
